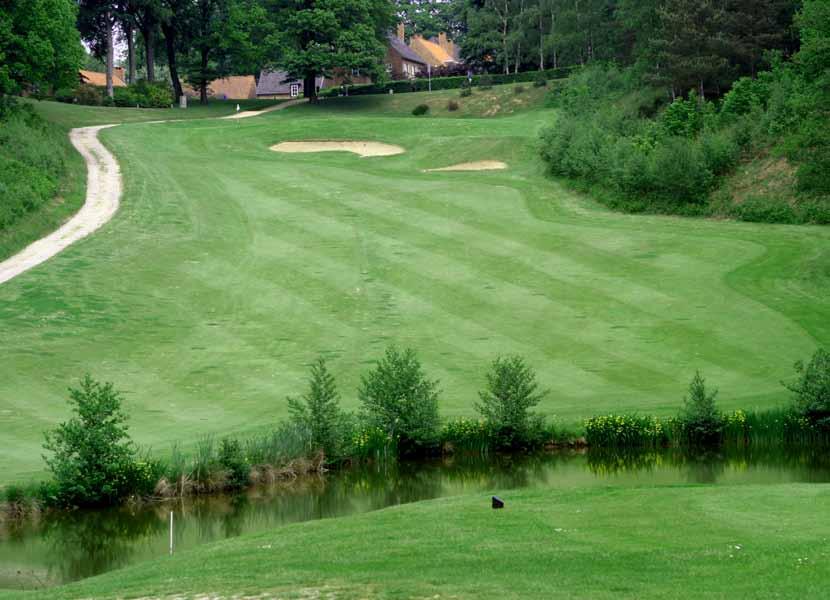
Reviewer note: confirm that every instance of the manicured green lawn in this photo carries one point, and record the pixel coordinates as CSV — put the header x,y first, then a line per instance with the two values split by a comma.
x,y
649,542
70,115
230,267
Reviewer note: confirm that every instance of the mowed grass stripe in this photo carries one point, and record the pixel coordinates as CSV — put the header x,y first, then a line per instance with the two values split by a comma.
x,y
627,310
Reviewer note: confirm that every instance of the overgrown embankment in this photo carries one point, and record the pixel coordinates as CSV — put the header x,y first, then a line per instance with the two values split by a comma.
x,y
761,152
41,178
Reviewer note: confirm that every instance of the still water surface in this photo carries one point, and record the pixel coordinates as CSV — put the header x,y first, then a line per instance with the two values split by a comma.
x,y
69,546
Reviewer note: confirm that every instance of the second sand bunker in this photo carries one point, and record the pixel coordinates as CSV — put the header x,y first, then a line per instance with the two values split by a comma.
x,y
364,149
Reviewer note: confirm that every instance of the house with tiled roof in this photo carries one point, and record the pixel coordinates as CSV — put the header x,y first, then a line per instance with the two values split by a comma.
x,y
100,79
279,85
401,61
235,87
437,52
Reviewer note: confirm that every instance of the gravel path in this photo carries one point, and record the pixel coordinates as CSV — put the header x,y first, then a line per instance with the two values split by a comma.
x,y
103,193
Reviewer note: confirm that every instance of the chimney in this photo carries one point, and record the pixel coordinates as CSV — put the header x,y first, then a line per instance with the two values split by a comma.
x,y
401,32
446,44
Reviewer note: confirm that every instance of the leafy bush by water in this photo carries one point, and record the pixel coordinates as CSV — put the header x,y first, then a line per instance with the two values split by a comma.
x,y
625,431
812,390
398,398
420,110
92,458
505,403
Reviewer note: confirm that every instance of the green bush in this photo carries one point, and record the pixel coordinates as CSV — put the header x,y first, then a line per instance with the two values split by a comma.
x,y
319,410
700,420
66,95
679,173
466,92
540,81
398,398
92,458
232,460
812,390
505,403
420,110
485,82
519,89
452,106
89,95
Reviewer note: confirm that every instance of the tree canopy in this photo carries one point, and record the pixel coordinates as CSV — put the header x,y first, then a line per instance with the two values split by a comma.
x,y
40,46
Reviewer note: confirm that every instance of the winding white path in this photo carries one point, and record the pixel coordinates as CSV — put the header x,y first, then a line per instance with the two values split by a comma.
x,y
103,192
103,195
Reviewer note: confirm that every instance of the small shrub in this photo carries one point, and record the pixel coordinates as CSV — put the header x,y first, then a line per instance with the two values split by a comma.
x,y
812,390
66,95
485,82
700,420
93,459
519,89
89,95
319,409
452,106
233,461
398,398
506,401
540,81
420,110
466,92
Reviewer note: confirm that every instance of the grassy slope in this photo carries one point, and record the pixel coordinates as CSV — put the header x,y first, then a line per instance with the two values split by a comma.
x,y
73,189
229,267
649,542
50,216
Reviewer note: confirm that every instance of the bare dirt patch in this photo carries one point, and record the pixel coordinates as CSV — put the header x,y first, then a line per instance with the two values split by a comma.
x,y
364,149
479,165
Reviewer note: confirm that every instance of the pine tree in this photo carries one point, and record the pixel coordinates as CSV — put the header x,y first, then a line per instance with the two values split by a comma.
x,y
319,409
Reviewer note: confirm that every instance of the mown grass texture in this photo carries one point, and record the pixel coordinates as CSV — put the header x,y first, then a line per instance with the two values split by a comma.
x,y
229,268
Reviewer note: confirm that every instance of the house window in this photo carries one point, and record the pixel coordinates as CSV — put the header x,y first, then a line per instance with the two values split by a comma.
x,y
355,72
388,67
295,90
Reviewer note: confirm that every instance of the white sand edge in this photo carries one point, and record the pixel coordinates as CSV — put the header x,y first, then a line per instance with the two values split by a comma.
x,y
364,149
479,165
103,196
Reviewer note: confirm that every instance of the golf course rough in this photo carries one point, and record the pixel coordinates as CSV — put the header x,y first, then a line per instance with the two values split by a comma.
x,y
229,268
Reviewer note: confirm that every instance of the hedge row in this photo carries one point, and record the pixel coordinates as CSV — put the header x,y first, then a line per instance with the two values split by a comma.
x,y
446,83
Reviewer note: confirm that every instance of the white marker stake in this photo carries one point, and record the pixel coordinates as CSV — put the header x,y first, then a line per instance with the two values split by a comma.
x,y
171,533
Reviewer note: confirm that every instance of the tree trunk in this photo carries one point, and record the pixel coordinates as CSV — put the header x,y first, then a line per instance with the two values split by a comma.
x,y
170,44
203,83
110,91
150,52
310,87
541,40
128,30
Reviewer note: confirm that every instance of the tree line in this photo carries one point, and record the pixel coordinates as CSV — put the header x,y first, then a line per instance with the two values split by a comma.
x,y
679,44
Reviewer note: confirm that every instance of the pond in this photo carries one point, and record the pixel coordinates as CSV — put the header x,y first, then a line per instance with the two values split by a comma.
x,y
65,547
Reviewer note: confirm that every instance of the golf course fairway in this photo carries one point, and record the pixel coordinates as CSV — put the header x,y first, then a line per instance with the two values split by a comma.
x,y
229,268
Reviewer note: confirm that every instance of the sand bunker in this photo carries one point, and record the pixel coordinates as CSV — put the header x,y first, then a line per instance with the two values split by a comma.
x,y
364,149
479,165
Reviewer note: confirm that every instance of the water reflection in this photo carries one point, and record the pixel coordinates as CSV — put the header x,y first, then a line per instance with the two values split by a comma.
x,y
65,547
